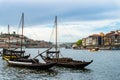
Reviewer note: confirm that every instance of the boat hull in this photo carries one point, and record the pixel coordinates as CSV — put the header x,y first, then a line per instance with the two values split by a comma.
x,y
7,54
69,64
14,57
72,65
30,65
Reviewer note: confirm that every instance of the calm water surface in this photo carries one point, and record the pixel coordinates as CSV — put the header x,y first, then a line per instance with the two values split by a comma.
x,y
105,66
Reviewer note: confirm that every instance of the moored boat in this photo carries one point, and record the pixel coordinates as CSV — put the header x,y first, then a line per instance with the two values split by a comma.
x,y
29,63
68,62
94,49
13,53
6,53
24,62
54,56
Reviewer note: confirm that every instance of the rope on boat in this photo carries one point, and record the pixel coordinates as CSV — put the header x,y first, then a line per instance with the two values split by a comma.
x,y
51,34
19,25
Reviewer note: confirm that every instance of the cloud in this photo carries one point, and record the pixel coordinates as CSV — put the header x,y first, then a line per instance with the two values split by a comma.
x,y
76,19
67,31
43,11
72,31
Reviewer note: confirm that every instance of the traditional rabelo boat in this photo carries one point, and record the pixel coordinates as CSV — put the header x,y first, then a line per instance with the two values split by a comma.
x,y
53,56
7,53
28,63
14,53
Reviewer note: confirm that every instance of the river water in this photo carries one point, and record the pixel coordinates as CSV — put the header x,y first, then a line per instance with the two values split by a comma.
x,y
105,66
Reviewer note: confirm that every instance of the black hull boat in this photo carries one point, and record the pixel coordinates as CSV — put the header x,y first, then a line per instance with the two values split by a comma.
x,y
6,53
53,56
63,62
29,63
68,62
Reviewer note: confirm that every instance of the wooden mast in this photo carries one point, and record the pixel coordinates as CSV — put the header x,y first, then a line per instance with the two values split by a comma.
x,y
56,46
22,31
8,37
56,52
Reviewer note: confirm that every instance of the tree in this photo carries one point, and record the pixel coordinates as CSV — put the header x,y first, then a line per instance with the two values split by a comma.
x,y
79,43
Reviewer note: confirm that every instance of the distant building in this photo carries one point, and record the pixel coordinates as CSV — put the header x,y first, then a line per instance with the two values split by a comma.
x,y
109,40
84,42
96,40
14,40
92,40
112,38
2,42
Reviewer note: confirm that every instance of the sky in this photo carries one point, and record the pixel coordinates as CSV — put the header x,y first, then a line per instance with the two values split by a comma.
x,y
77,19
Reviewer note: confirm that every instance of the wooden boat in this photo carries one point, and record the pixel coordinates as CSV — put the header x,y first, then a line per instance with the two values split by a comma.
x,y
66,62
53,56
9,53
29,63
25,62
13,54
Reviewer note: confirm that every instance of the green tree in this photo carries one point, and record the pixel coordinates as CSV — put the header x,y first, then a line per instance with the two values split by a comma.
x,y
79,43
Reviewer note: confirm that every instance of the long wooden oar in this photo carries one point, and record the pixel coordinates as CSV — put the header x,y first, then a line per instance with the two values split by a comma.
x,y
42,52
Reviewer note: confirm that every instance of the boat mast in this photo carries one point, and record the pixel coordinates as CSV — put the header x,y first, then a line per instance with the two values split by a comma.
x,y
56,46
8,37
22,31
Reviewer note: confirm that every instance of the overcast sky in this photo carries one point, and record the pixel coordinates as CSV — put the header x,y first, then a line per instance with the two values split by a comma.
x,y
76,18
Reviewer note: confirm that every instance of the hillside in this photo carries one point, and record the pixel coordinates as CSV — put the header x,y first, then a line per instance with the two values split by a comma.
x,y
14,40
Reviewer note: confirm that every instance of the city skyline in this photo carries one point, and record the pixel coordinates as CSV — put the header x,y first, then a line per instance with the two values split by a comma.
x,y
76,19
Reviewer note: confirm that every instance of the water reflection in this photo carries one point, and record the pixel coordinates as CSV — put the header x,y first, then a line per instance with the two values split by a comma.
x,y
20,73
72,70
50,72
85,70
